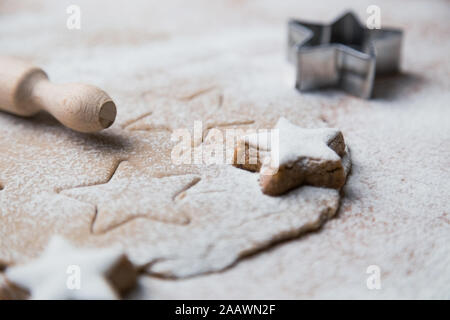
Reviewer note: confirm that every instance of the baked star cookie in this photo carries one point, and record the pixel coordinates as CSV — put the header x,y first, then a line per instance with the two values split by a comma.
x,y
290,156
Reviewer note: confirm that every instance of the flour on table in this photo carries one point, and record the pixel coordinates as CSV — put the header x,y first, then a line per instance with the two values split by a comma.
x,y
120,187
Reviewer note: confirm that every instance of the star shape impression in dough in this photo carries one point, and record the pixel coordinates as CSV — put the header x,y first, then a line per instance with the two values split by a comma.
x,y
316,157
131,194
343,54
102,273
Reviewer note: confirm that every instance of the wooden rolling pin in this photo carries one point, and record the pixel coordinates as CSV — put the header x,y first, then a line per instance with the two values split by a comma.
x,y
25,90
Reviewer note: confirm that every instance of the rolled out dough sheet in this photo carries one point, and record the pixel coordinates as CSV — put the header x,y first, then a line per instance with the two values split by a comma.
x,y
223,62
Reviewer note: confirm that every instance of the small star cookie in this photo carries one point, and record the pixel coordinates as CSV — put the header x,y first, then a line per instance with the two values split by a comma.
x,y
291,156
65,272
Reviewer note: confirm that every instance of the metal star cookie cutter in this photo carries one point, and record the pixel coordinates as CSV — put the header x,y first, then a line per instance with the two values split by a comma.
x,y
343,54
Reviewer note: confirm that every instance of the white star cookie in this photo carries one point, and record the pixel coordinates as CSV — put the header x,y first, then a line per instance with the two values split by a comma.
x,y
291,156
65,272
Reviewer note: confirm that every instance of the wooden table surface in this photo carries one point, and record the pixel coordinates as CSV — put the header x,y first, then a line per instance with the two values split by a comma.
x,y
395,209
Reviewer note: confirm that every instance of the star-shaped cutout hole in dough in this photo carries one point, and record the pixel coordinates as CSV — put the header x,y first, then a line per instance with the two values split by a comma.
x,y
204,108
169,113
133,194
65,272
290,156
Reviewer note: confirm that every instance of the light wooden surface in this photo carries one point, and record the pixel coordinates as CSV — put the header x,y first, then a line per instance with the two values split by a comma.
x,y
148,54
